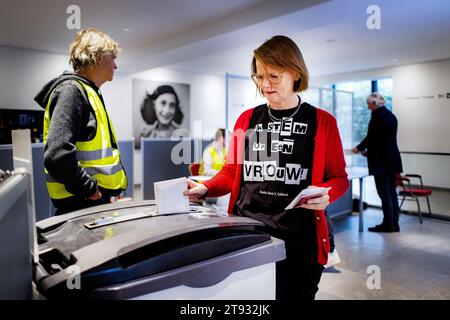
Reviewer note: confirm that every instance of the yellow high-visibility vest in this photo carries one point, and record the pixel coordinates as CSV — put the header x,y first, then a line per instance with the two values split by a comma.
x,y
98,157
218,159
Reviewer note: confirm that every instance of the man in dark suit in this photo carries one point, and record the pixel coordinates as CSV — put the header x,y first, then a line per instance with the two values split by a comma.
x,y
383,159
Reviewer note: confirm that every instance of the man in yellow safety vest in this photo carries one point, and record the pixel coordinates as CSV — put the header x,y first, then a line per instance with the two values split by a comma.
x,y
81,156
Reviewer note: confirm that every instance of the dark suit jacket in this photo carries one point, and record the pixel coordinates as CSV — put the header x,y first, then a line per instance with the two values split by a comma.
x,y
383,156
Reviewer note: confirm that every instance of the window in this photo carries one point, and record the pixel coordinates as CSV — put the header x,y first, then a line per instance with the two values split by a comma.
x,y
343,113
360,114
327,101
311,96
384,87
339,104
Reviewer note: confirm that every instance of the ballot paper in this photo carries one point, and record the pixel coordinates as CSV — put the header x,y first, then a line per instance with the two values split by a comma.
x,y
169,196
307,194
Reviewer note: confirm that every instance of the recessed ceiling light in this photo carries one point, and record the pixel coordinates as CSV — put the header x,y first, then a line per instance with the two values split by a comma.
x,y
394,60
126,29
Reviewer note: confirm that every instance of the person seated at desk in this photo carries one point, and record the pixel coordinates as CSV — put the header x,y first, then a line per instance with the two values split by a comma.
x,y
214,155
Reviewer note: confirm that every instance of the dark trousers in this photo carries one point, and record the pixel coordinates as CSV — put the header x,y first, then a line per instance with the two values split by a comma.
x,y
298,276
82,205
297,280
385,185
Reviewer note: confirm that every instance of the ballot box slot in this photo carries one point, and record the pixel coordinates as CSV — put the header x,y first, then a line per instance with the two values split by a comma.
x,y
53,261
173,253
225,235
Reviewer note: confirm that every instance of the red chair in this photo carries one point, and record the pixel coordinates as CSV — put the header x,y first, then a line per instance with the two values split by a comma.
x,y
410,193
194,168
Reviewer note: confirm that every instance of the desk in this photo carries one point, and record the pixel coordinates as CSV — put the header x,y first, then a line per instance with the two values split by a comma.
x,y
359,173
353,173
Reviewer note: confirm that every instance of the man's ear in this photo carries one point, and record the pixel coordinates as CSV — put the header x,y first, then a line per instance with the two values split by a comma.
x,y
99,58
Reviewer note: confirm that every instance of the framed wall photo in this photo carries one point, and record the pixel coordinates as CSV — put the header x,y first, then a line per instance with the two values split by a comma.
x,y
160,108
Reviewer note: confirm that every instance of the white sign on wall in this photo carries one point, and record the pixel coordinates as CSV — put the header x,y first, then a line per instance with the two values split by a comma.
x,y
422,107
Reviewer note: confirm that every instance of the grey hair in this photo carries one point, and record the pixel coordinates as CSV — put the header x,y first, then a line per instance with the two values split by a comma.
x,y
377,98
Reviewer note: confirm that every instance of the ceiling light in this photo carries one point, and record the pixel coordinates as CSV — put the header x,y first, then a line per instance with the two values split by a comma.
x,y
126,29
330,40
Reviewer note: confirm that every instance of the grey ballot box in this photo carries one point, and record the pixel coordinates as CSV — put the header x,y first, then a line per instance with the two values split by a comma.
x,y
15,250
128,251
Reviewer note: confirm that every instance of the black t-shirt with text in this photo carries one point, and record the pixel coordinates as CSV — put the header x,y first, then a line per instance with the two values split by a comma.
x,y
277,165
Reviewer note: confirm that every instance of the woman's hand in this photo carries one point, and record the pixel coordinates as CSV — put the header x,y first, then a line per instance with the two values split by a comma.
x,y
196,191
319,203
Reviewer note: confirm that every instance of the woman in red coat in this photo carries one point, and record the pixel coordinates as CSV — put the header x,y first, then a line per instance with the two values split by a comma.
x,y
278,149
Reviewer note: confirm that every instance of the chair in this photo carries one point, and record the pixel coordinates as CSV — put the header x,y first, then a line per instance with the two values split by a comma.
x,y
410,193
194,169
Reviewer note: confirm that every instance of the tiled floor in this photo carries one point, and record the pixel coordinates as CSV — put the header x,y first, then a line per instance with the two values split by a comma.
x,y
412,264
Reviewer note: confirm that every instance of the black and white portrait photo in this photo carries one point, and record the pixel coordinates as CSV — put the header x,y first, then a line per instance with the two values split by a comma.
x,y
160,108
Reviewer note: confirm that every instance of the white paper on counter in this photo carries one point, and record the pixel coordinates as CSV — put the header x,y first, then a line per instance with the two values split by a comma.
x,y
169,196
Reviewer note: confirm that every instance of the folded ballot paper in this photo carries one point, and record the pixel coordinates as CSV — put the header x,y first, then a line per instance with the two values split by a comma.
x,y
169,196
305,195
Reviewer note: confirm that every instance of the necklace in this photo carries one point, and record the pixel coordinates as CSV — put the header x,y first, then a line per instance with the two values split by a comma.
x,y
275,119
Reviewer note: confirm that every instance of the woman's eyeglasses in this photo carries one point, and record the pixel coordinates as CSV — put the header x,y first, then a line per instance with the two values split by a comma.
x,y
271,77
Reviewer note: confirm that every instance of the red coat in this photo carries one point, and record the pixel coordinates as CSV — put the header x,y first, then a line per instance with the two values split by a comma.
x,y
328,169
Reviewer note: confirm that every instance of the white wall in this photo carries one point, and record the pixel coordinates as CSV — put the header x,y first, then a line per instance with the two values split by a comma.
x,y
23,73
207,103
420,92
422,121
435,169
422,115
207,100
